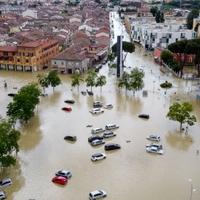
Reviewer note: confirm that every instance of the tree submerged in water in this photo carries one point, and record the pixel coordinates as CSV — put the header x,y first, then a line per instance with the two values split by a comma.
x,y
182,114
166,85
8,143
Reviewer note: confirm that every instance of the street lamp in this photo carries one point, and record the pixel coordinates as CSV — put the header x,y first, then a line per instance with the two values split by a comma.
x,y
192,189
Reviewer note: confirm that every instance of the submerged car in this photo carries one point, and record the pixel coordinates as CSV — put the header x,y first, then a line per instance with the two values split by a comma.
x,y
95,137
97,104
154,138
68,109
112,146
108,106
109,134
97,142
158,146
144,116
5,182
98,156
64,173
2,195
60,180
154,149
97,130
111,126
70,138
96,111
70,101
97,194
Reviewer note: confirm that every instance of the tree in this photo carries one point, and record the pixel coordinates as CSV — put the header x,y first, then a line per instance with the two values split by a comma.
x,y
124,81
53,79
181,113
8,143
101,81
127,47
166,56
154,10
91,79
136,79
159,17
193,47
193,14
23,104
43,81
76,79
180,49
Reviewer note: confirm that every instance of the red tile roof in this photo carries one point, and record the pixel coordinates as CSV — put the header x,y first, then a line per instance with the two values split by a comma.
x,y
34,44
8,48
71,54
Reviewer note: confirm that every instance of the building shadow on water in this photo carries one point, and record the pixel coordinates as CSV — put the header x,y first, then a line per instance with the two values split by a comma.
x,y
178,140
30,134
18,180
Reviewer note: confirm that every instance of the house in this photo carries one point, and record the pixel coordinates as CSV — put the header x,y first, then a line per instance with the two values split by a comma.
x,y
70,60
29,56
189,58
30,13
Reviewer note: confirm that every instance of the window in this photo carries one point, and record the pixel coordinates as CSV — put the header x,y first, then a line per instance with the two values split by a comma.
x,y
18,60
27,60
176,39
55,63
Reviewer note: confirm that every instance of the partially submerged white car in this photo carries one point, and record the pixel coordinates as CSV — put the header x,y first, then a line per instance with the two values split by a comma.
x,y
154,138
153,148
97,111
97,194
98,156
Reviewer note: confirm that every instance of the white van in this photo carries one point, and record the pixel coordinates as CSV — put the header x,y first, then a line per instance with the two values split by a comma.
x,y
111,126
97,130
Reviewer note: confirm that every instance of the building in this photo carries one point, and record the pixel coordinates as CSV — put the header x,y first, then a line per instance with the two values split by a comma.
x,y
7,54
152,35
30,56
70,60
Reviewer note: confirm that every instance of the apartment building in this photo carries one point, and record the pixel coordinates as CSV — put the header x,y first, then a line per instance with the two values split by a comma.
x,y
152,35
30,56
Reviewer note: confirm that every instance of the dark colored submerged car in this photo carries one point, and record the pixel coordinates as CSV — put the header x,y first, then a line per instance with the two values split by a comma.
x,y
112,146
70,138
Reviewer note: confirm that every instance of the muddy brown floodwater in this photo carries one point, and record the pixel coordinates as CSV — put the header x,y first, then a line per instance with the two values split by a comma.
x,y
126,174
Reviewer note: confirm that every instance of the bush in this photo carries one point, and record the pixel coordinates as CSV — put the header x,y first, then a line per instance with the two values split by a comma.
x,y
114,65
166,85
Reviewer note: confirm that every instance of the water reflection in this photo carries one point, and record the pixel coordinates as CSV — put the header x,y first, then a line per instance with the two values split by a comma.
x,y
179,140
76,97
51,99
18,180
31,134
135,105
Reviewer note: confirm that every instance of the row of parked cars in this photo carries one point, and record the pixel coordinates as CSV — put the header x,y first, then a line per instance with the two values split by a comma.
x,y
97,139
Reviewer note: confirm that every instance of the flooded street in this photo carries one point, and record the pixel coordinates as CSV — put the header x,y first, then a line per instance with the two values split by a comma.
x,y
126,174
